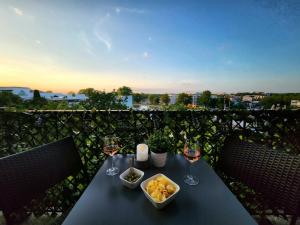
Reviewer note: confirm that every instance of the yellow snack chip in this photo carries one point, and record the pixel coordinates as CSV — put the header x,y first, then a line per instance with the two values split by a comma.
x,y
160,189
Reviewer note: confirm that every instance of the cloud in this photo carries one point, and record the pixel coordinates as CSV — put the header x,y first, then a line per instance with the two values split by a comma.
x,y
38,42
20,12
146,55
102,20
103,38
118,10
87,46
17,11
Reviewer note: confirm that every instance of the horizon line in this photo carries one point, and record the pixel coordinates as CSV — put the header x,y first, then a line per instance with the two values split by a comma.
x,y
142,92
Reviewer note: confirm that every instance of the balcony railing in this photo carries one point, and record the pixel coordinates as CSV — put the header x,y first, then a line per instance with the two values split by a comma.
x,y
22,131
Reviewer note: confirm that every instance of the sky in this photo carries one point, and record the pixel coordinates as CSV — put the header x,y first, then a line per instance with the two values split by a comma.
x,y
153,46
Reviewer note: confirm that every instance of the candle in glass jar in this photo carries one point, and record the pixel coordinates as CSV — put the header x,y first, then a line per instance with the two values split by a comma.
x,y
142,152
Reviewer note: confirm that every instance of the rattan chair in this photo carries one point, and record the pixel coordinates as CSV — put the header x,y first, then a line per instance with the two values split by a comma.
x,y
272,173
27,175
294,139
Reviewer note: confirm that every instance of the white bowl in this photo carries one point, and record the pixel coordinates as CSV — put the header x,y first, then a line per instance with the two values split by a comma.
x,y
128,184
159,205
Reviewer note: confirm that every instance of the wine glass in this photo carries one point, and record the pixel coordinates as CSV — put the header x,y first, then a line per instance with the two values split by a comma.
x,y
111,147
191,153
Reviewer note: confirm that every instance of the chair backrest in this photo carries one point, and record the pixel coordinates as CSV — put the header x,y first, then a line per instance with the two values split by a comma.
x,y
29,174
273,173
294,139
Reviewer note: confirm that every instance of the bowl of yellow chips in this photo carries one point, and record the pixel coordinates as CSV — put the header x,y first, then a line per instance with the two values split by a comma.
x,y
160,190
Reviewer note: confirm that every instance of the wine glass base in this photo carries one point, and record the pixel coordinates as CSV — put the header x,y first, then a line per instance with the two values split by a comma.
x,y
191,180
112,171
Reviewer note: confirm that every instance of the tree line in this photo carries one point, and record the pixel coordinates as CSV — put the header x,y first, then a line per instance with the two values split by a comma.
x,y
113,100
96,100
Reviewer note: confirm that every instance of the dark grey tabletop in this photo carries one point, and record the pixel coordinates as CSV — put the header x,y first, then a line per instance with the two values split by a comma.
x,y
107,202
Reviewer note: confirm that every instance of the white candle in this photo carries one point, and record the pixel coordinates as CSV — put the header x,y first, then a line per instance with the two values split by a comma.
x,y
142,152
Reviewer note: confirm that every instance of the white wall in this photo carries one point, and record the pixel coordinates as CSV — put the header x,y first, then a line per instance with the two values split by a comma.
x,y
128,101
173,98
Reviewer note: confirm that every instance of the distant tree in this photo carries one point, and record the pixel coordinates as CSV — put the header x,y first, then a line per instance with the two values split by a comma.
x,y
227,101
154,99
124,91
238,105
103,100
139,97
184,98
165,99
215,102
71,93
87,91
249,93
36,95
279,99
53,105
205,98
221,101
176,107
8,99
37,102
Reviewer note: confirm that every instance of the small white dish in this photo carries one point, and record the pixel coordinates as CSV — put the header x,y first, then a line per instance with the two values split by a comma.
x,y
159,205
128,184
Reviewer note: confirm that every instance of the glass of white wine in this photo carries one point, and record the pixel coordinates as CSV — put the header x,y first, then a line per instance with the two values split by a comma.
x,y
192,153
111,147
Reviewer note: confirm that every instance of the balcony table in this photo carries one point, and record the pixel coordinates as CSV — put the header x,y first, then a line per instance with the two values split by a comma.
x,y
107,202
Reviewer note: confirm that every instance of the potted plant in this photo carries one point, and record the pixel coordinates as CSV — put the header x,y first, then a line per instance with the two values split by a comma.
x,y
159,144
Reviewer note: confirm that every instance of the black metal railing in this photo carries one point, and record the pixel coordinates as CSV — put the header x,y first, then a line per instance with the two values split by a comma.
x,y
22,131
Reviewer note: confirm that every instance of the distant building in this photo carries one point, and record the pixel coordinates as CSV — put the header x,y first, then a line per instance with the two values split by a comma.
x,y
23,92
195,98
63,97
295,103
76,98
251,98
53,96
173,98
259,97
27,94
127,101
235,99
247,98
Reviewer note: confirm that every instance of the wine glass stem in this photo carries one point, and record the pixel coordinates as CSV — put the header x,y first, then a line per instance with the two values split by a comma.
x,y
112,162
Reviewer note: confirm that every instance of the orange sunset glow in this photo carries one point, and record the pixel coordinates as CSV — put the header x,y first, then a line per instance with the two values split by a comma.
x,y
50,77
